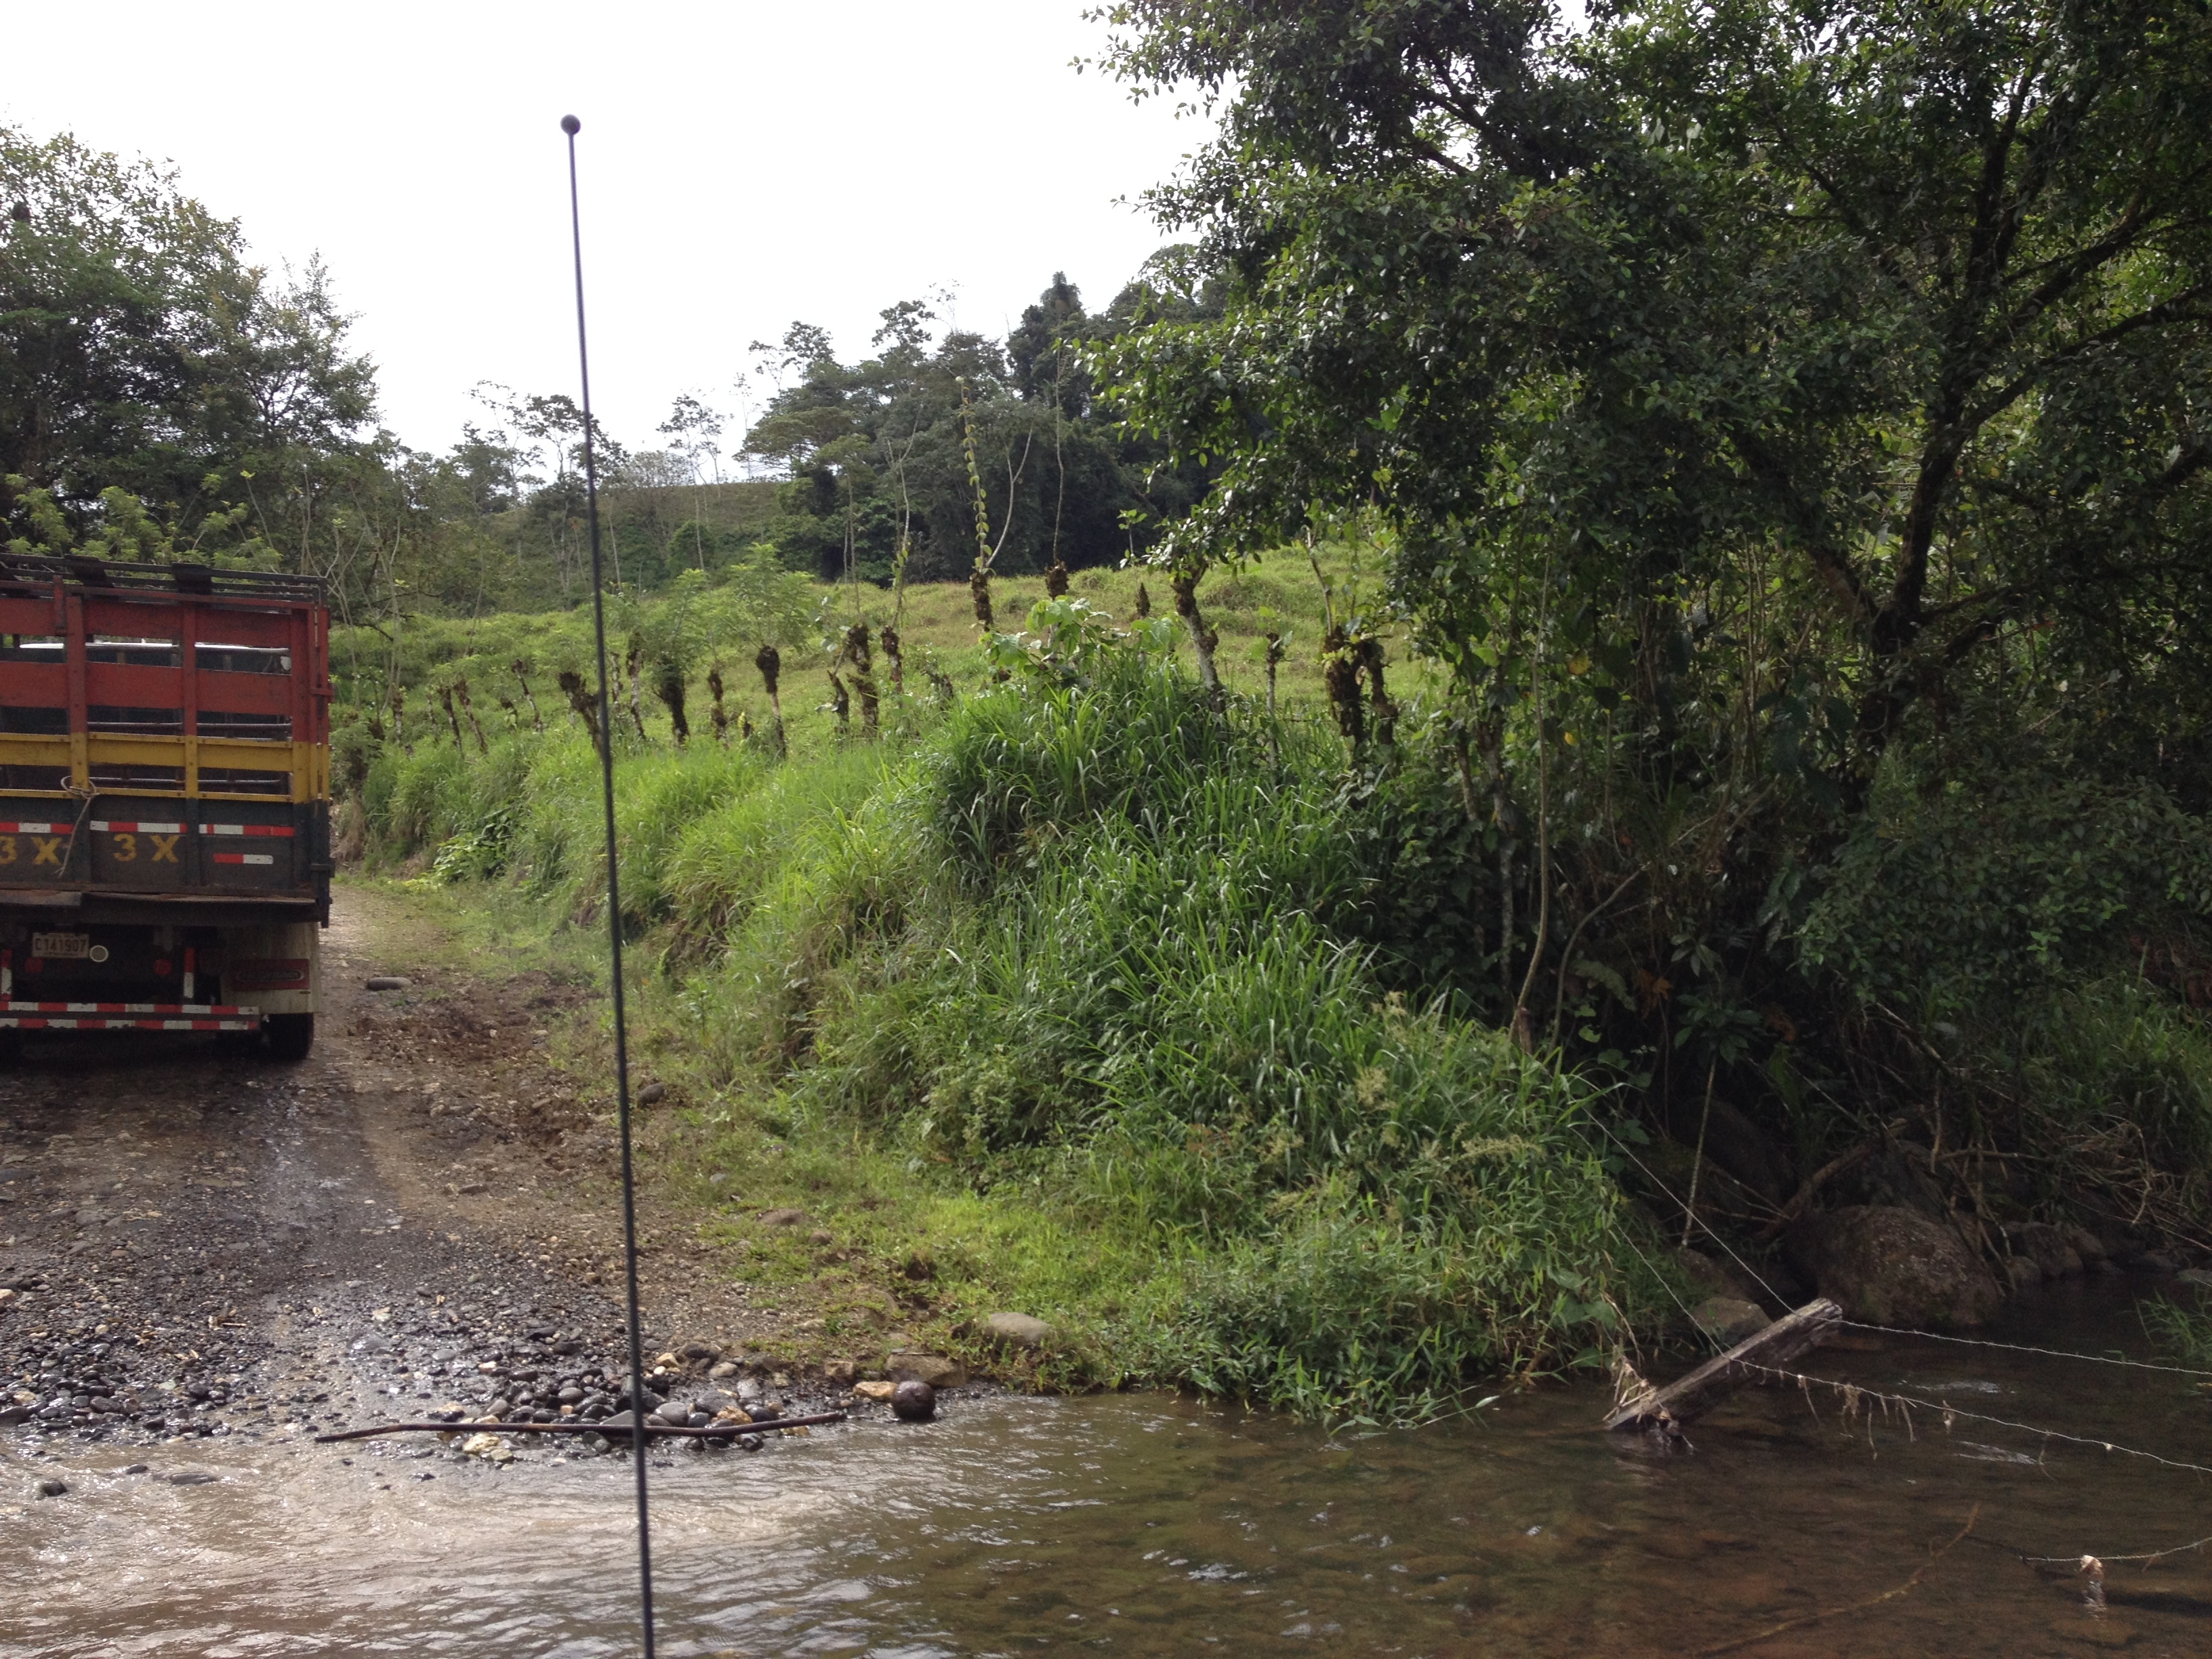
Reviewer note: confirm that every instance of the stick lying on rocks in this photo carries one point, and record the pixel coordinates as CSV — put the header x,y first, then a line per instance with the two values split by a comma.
x,y
621,1431
1787,1338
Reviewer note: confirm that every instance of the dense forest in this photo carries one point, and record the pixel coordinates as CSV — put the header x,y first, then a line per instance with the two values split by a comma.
x,y
1748,473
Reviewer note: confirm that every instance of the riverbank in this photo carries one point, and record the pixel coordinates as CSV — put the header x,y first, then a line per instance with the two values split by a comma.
x,y
1080,1000
1167,1018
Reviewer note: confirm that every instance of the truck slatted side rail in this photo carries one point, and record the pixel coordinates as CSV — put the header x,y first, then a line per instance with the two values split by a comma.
x,y
37,572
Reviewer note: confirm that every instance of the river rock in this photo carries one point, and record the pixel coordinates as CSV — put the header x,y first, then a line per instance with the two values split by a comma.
x,y
879,1392
913,1401
783,1218
51,1488
1018,1330
933,1369
1727,1319
2149,1262
2052,1251
1890,1266
12,1414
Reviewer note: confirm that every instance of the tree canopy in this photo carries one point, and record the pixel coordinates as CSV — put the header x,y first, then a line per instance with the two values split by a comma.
x,y
877,451
141,350
1789,419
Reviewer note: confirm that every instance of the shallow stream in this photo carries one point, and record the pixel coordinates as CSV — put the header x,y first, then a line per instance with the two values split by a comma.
x,y
1144,1524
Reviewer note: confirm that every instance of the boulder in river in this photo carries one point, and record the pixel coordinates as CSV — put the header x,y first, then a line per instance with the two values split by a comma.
x,y
1890,1266
913,1402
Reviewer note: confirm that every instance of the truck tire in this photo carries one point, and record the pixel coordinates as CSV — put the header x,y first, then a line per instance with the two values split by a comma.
x,y
290,1036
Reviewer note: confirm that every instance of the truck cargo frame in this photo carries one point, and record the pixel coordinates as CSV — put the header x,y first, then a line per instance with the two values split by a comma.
x,y
164,796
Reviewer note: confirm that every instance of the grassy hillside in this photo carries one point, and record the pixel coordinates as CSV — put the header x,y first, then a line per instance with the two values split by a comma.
x,y
721,626
1078,989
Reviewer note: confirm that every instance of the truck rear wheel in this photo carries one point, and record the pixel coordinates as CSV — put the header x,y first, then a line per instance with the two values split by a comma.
x,y
290,1036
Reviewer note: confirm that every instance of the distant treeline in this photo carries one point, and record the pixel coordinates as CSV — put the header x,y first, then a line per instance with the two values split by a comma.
x,y
892,454
163,396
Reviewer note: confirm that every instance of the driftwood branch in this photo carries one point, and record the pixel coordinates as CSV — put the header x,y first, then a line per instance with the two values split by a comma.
x,y
1788,1338
620,1431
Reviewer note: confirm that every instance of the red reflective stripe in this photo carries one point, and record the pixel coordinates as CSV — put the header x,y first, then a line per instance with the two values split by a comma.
x,y
12,1021
283,830
245,858
215,1008
116,826
38,829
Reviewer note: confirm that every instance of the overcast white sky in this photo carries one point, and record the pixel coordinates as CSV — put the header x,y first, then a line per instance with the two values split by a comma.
x,y
743,163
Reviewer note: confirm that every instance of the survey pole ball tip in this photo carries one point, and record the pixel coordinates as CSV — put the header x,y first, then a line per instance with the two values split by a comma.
x,y
571,126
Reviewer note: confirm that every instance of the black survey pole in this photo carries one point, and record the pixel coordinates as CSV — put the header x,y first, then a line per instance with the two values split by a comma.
x,y
571,126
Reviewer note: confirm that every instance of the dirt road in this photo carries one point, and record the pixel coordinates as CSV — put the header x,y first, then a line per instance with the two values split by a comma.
x,y
417,1219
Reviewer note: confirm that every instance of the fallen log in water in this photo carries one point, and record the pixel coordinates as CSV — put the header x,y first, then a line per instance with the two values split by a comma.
x,y
712,1432
1787,1338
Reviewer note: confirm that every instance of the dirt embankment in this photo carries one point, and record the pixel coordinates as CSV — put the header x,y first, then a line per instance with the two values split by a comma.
x,y
420,1217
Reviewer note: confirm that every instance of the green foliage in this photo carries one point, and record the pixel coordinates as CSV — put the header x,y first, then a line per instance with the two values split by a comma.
x,y
2184,1335
1954,897
156,388
2113,1059
1789,427
1088,948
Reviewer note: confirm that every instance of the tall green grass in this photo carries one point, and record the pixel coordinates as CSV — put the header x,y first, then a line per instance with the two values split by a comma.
x,y
1087,947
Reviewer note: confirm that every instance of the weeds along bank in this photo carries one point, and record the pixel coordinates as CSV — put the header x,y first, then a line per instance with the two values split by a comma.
x,y
1088,973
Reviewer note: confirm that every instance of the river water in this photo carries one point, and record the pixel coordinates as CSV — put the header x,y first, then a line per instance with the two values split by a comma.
x,y
1145,1524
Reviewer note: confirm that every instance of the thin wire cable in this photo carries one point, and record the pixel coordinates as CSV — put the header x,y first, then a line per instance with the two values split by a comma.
x,y
2021,1347
2148,1555
571,126
1950,1411
1608,1133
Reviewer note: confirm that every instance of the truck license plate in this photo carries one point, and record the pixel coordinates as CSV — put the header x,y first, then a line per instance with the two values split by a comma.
x,y
61,944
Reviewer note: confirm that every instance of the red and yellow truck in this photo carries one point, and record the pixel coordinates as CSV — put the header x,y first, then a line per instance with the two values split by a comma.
x,y
164,800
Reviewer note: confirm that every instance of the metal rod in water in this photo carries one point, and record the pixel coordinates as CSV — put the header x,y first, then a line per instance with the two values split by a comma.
x,y
571,126
712,1432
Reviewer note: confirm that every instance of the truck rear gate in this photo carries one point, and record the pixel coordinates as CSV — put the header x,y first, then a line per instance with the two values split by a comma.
x,y
164,796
